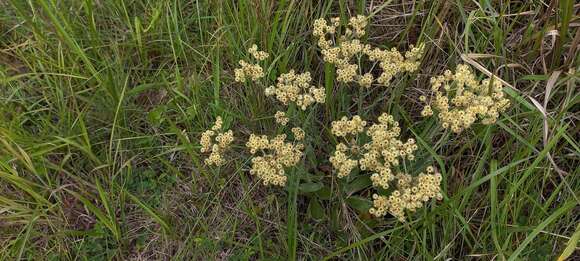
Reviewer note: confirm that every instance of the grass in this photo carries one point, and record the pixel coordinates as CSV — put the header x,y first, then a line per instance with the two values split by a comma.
x,y
102,104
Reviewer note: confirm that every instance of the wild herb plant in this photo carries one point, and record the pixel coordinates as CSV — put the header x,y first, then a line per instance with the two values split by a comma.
x,y
375,150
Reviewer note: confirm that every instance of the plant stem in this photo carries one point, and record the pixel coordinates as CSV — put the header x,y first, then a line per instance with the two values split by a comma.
x,y
292,214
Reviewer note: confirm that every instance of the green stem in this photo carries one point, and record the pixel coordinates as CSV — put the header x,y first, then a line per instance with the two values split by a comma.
x,y
292,214
360,100
293,183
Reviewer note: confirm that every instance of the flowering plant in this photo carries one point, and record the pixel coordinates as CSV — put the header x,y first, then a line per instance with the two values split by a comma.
x,y
364,149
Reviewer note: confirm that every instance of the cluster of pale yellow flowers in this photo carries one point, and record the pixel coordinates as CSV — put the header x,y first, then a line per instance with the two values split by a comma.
x,y
281,118
379,156
276,154
296,88
385,149
460,99
344,126
347,47
298,133
375,148
216,142
249,70
344,159
273,156
410,194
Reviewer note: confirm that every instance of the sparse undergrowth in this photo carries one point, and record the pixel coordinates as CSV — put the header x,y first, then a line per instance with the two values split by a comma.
x,y
103,103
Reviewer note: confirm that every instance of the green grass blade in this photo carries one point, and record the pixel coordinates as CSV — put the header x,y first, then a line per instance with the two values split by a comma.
x,y
547,221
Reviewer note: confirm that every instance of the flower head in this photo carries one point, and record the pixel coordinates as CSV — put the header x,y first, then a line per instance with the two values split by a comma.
x,y
249,70
281,118
296,88
381,156
460,99
258,55
410,195
298,133
272,157
216,142
343,49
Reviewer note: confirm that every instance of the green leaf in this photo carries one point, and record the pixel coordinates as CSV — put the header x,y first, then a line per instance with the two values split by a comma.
x,y
324,193
571,245
547,221
310,187
315,210
358,184
359,203
155,116
101,216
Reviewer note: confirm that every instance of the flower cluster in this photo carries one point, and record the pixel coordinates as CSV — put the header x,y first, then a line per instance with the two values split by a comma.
x,y
345,157
460,99
248,70
385,149
343,49
258,55
410,194
380,156
296,88
281,118
374,148
345,127
216,142
276,155
298,133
